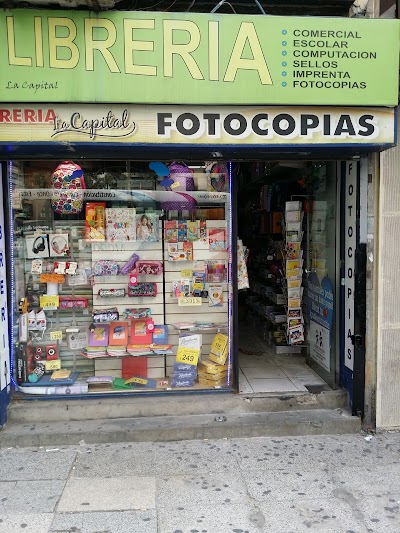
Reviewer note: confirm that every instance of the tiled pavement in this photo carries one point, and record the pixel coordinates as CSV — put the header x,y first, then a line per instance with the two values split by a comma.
x,y
262,370
343,484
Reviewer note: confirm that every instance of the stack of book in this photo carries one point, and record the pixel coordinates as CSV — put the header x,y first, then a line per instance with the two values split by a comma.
x,y
94,351
187,356
293,270
213,372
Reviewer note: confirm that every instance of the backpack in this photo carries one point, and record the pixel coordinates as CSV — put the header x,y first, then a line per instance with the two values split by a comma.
x,y
180,180
67,184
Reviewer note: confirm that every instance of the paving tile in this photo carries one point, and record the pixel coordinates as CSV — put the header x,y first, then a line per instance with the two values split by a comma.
x,y
205,490
244,385
287,359
330,452
261,372
251,362
381,514
290,483
298,371
131,459
193,457
111,494
216,519
67,522
31,496
35,465
272,385
375,479
318,514
301,383
106,522
27,523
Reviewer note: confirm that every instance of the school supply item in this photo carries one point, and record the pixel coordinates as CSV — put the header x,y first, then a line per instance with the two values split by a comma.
x,y
67,184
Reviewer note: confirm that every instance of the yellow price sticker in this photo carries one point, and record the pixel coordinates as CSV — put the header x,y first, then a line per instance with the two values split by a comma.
x,y
189,300
189,356
175,185
55,335
49,302
141,381
186,273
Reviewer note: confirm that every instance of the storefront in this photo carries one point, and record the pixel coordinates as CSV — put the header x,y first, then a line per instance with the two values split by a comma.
x,y
124,217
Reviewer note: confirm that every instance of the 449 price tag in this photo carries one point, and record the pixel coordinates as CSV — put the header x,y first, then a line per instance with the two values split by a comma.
x,y
189,356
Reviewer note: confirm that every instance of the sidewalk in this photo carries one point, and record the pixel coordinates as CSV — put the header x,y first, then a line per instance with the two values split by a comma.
x,y
343,484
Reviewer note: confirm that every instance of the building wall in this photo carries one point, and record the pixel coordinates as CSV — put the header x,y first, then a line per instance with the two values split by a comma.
x,y
388,333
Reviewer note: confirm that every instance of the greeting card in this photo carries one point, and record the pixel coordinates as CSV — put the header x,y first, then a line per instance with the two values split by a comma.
x,y
120,224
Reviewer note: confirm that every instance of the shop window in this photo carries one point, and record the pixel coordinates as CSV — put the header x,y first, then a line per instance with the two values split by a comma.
x,y
121,276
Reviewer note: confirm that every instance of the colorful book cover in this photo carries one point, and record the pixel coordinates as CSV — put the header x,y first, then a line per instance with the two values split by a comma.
x,y
98,335
199,280
147,227
120,224
192,230
215,295
182,231
118,335
139,332
171,231
188,250
160,334
217,240
203,230
219,344
95,218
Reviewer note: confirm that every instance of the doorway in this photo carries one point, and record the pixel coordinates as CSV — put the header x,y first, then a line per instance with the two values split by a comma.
x,y
288,216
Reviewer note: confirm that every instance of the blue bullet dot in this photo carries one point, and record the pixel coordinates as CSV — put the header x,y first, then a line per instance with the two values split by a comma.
x,y
284,32
284,63
284,84
284,73
284,53
284,43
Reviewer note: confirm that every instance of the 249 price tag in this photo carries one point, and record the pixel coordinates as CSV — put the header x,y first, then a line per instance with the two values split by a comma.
x,y
190,356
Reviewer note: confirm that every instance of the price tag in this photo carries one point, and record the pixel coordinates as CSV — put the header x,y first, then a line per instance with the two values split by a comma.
x,y
49,302
186,273
189,356
189,300
52,278
56,335
175,185
140,381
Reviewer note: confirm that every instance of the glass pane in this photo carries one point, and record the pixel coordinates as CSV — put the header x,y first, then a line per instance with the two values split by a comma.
x,y
122,275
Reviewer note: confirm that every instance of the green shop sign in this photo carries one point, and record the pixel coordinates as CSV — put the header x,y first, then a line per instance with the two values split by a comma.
x,y
167,58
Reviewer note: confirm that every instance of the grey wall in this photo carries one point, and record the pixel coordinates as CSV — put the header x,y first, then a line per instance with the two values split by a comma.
x,y
388,307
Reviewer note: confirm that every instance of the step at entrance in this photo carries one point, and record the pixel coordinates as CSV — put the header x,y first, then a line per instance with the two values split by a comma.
x,y
23,410
184,427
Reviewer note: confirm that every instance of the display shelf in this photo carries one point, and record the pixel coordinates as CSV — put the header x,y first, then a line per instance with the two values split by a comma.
x,y
134,195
